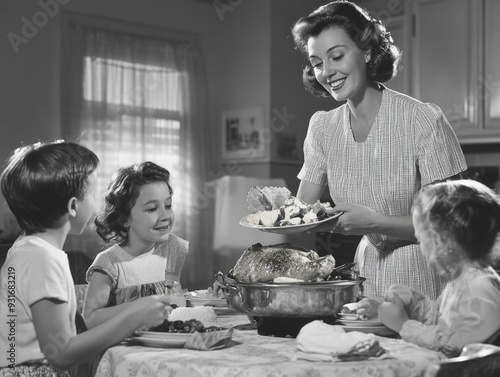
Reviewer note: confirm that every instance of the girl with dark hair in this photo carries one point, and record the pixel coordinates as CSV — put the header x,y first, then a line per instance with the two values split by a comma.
x,y
457,224
145,258
376,150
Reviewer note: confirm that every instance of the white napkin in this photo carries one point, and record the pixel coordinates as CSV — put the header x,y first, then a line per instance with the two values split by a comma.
x,y
319,341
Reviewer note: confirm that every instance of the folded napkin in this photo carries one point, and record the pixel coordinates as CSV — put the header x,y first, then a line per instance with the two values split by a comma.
x,y
318,341
212,340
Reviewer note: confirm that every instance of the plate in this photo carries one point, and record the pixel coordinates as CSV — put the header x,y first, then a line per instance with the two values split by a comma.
x,y
350,316
288,229
203,298
376,330
160,339
360,322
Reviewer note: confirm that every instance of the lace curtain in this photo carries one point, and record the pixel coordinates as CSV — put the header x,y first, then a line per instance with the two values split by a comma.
x,y
132,98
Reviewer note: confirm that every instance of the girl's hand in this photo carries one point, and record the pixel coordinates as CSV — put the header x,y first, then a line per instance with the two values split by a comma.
x,y
393,313
368,307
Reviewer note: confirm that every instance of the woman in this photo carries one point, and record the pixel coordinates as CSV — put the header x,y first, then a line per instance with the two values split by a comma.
x,y
375,151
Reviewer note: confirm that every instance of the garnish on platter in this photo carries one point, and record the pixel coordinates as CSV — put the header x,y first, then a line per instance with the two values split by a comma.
x,y
274,209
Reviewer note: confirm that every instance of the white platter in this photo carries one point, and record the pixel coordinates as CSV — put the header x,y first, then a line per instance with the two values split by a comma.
x,y
360,322
376,330
288,229
160,339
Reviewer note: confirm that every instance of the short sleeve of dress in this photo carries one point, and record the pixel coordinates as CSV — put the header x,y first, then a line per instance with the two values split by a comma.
x,y
314,169
438,150
106,264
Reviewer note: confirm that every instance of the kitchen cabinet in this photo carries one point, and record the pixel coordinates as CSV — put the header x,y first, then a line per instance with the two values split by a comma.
x,y
491,79
454,47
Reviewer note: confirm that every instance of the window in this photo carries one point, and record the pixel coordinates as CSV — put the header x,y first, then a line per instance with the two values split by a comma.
x,y
136,123
133,93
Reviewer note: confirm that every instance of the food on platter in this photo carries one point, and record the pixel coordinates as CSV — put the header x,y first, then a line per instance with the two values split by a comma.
x,y
275,206
189,326
205,314
259,264
266,198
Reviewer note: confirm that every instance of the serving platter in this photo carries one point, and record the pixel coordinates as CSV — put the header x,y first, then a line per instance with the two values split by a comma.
x,y
288,229
160,339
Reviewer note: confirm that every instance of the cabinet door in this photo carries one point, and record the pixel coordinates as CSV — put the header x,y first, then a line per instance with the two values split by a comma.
x,y
445,53
398,32
491,80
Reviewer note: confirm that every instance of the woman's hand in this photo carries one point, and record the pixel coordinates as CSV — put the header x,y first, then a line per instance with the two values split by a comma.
x,y
393,313
368,307
356,219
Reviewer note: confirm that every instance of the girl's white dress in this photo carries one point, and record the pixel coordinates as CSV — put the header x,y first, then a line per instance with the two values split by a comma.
x,y
144,275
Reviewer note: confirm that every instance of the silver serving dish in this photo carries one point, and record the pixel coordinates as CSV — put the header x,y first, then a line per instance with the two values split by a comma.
x,y
291,300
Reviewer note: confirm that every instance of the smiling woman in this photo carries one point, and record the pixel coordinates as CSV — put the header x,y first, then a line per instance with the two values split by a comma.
x,y
375,151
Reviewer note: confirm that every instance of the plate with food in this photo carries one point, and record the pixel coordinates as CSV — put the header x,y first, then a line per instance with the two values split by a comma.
x,y
275,210
177,333
288,228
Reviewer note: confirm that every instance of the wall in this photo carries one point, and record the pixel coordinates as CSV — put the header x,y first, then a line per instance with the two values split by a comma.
x,y
236,49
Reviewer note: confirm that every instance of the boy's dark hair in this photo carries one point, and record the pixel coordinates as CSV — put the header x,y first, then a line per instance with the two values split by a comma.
x,y
368,34
122,193
40,179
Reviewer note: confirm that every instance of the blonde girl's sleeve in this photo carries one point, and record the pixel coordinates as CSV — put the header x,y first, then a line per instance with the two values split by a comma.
x,y
473,320
314,169
438,150
105,263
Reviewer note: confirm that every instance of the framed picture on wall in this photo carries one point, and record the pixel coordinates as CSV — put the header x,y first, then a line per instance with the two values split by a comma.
x,y
244,135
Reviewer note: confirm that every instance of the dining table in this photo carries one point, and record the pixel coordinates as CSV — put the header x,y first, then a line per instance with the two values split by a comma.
x,y
250,354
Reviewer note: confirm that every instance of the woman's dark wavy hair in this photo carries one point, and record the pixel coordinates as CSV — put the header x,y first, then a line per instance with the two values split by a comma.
x,y
464,210
39,180
368,33
121,195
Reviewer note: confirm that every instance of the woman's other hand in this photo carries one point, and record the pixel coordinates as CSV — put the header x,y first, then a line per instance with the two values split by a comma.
x,y
393,314
368,307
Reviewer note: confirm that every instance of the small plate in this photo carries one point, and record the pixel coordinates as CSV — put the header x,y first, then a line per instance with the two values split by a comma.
x,y
376,330
360,322
203,298
350,316
288,229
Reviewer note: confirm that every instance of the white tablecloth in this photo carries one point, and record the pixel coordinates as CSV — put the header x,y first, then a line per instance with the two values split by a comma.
x,y
250,354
